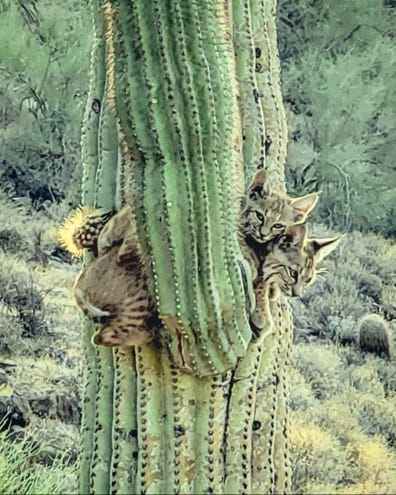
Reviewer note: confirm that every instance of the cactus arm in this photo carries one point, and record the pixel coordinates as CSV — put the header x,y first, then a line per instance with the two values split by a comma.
x,y
242,398
268,83
106,173
100,153
89,155
96,91
183,411
210,423
173,428
124,440
271,466
101,456
263,469
87,428
281,438
252,114
223,114
105,197
150,418
165,185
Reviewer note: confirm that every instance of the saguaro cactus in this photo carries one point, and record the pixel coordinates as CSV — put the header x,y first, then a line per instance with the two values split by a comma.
x,y
184,103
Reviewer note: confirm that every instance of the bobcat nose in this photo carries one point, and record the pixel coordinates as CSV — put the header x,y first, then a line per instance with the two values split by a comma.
x,y
296,291
265,234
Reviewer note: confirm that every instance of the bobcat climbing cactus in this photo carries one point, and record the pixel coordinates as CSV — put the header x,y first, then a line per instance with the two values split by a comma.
x,y
163,132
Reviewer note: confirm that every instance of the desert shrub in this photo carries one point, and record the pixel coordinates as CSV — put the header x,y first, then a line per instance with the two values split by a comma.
x,y
11,340
21,472
332,53
11,241
21,297
301,395
317,456
31,235
386,374
321,370
342,421
43,79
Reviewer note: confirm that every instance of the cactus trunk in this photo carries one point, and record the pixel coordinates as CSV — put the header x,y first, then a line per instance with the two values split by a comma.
x,y
189,105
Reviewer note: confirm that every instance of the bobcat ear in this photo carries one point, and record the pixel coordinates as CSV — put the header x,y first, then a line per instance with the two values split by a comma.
x,y
302,206
258,183
323,247
297,232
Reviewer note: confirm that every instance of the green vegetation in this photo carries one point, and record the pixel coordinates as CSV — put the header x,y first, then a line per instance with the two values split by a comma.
x,y
22,470
338,69
338,72
43,81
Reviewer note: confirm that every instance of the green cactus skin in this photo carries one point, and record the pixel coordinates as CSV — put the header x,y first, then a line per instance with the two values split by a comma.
x,y
89,152
203,408
124,439
284,338
263,115
267,72
180,171
90,132
253,130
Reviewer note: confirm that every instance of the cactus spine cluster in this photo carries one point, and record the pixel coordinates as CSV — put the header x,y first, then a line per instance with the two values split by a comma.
x,y
203,411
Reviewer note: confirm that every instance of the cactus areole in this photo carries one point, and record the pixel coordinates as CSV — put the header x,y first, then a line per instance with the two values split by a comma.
x,y
184,106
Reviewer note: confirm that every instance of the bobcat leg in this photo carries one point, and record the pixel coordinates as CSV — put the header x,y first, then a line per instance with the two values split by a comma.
x,y
261,318
116,230
87,308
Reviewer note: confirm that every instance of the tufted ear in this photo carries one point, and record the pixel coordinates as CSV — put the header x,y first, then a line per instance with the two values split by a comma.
x,y
302,206
323,247
257,186
297,232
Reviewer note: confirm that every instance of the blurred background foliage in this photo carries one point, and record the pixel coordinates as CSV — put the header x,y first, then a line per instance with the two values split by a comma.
x,y
338,76
44,48
338,72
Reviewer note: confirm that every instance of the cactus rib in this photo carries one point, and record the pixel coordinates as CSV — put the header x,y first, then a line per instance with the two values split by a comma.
x,y
124,440
268,82
252,115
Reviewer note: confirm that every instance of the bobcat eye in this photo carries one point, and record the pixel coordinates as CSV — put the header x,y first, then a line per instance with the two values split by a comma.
x,y
278,226
293,274
100,319
260,216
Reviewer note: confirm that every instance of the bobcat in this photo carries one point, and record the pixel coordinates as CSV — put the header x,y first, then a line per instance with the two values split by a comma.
x,y
289,266
112,290
265,215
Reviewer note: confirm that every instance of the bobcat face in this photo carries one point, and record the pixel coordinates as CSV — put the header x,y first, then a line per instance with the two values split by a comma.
x,y
264,219
266,215
292,259
131,328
